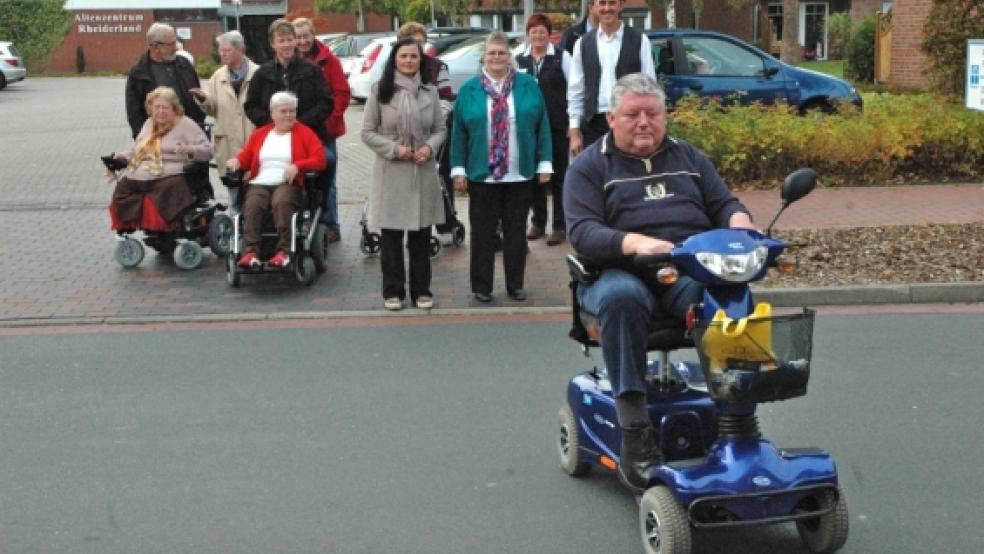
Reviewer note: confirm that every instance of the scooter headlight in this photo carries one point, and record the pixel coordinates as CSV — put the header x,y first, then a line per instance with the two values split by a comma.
x,y
737,268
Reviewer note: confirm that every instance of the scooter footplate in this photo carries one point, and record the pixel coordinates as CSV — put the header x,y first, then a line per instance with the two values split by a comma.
x,y
735,510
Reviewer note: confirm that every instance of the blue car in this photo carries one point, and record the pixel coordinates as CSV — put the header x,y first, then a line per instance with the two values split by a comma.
x,y
713,64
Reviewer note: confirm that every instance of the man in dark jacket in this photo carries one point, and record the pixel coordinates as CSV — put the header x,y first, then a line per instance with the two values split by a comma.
x,y
288,71
312,50
577,30
638,191
160,66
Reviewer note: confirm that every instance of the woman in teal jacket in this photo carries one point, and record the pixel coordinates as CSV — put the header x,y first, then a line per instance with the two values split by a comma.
x,y
500,150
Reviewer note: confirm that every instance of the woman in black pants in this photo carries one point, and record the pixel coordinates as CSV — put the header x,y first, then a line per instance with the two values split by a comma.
x,y
500,146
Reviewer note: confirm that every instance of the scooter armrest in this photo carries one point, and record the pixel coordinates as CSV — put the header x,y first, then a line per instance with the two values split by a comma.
x,y
583,269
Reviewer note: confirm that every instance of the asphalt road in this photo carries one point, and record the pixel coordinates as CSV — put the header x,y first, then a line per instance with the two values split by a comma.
x,y
435,435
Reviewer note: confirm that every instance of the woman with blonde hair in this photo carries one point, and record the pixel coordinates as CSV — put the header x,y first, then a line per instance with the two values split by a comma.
x,y
155,163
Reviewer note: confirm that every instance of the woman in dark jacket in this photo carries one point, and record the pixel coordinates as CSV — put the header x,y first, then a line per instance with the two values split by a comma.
x,y
550,66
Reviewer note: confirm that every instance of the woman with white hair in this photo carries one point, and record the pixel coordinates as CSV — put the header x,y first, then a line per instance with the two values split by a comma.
x,y
275,158
225,95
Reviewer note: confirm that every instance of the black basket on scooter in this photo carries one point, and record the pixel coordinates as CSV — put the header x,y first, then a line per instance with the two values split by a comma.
x,y
765,360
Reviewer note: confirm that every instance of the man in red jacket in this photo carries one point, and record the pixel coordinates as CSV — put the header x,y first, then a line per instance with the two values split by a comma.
x,y
312,50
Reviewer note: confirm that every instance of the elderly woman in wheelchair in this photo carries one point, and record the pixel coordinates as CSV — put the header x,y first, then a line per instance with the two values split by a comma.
x,y
277,165
162,188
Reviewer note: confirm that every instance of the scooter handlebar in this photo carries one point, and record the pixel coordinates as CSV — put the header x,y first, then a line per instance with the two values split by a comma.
x,y
649,260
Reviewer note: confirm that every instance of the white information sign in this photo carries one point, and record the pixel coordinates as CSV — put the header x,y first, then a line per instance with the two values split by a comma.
x,y
975,66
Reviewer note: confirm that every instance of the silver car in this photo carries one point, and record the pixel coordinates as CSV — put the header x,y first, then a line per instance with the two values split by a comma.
x,y
465,59
11,65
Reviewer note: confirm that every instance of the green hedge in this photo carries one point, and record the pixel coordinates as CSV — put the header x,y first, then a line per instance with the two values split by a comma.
x,y
912,137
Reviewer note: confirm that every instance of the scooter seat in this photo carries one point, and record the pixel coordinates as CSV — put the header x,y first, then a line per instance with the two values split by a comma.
x,y
666,333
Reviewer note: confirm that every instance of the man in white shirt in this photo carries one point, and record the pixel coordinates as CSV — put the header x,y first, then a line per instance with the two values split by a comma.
x,y
601,57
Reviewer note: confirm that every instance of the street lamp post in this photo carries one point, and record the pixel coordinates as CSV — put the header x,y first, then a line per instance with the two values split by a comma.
x,y
433,20
237,3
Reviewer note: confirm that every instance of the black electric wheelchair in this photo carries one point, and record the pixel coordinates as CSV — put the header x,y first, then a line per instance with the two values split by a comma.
x,y
202,224
308,242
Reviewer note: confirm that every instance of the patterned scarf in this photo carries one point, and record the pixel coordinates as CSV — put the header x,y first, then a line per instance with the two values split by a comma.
x,y
150,148
499,149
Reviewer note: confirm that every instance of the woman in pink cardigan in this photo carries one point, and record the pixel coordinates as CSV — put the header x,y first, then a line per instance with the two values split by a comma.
x,y
153,192
275,158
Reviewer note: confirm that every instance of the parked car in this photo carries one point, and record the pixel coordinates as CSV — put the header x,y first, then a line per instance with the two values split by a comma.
x,y
465,59
11,65
373,57
349,49
720,65
329,38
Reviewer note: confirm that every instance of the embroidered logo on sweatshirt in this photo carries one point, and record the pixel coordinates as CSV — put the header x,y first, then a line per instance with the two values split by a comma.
x,y
656,192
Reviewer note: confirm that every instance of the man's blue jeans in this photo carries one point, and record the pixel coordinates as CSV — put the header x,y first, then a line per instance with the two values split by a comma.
x,y
330,214
625,307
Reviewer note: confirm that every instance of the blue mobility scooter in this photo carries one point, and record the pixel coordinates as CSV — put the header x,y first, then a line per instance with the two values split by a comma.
x,y
308,241
719,470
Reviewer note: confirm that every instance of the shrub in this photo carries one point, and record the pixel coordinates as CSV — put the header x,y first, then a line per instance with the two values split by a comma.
x,y
949,25
861,51
838,34
205,67
896,137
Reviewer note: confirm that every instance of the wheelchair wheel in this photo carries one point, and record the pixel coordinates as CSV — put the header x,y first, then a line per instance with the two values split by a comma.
x,y
220,235
369,243
828,532
305,271
129,252
435,246
188,255
232,271
319,248
663,523
568,444
458,234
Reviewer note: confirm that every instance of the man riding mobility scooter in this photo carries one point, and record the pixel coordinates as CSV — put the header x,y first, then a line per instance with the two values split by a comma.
x,y
718,471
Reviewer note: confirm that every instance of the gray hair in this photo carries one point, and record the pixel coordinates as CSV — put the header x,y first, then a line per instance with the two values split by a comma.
x,y
232,38
283,97
159,33
638,83
498,37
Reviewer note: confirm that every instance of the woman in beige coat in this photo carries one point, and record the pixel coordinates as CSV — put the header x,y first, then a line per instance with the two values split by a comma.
x,y
404,126
225,95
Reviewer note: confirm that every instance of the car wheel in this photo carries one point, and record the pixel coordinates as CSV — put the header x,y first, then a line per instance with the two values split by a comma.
x,y
3,81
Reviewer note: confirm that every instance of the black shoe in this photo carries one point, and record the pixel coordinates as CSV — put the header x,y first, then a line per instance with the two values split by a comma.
x,y
333,235
483,297
518,295
639,455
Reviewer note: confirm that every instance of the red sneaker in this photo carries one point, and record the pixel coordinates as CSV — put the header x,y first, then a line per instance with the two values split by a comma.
x,y
280,259
249,259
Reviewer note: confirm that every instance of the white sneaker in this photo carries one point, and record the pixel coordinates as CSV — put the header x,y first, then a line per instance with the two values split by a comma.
x,y
393,304
425,302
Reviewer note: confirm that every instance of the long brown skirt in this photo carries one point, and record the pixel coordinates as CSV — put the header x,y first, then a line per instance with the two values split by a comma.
x,y
169,194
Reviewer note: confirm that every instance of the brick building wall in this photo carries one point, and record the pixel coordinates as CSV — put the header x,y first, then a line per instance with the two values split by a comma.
x,y
112,40
861,9
908,59
332,22
716,15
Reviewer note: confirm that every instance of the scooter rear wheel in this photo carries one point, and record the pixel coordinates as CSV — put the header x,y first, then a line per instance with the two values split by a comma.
x,y
663,523
826,533
568,444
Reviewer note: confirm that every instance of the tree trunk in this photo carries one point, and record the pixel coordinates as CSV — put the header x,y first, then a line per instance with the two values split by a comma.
x,y
670,14
792,52
360,22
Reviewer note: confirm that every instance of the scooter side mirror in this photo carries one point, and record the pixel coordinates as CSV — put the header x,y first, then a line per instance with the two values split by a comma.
x,y
798,184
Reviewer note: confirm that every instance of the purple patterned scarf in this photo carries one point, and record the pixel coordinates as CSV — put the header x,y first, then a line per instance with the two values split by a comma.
x,y
499,149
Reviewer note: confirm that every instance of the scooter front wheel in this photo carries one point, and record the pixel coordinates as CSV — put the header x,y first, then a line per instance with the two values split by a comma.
x,y
663,523
826,533
568,444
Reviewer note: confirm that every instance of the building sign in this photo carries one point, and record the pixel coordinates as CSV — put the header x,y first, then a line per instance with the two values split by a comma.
x,y
119,22
975,66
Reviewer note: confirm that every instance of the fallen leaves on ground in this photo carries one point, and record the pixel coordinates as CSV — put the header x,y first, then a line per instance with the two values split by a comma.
x,y
897,254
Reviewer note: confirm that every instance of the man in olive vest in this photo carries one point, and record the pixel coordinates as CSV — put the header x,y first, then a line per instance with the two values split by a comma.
x,y
601,57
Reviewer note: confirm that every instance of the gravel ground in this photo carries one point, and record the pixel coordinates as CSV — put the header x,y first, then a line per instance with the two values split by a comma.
x,y
894,254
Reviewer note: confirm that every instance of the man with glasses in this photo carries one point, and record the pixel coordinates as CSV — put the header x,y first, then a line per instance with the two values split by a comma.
x,y
161,66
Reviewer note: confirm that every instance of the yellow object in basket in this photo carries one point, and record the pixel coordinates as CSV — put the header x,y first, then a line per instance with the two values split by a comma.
x,y
748,339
